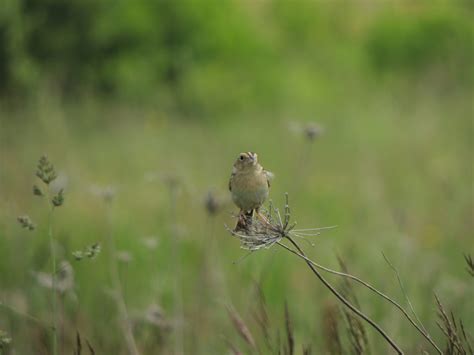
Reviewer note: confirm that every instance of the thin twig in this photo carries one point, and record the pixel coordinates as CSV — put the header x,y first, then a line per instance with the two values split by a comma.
x,y
344,301
403,290
373,289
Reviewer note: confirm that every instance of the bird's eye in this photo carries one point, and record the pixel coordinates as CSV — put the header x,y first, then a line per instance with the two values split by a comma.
x,y
241,157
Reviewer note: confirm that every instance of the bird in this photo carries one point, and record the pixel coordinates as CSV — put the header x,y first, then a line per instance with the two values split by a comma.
x,y
249,185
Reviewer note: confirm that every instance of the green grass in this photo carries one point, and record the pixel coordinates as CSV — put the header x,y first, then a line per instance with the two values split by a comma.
x,y
392,88
393,171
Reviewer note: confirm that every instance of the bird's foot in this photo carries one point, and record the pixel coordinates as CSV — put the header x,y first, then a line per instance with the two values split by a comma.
x,y
243,223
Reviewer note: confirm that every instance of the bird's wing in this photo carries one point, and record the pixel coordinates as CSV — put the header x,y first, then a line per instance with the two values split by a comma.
x,y
230,180
269,176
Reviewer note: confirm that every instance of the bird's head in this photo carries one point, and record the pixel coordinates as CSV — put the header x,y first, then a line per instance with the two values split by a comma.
x,y
246,160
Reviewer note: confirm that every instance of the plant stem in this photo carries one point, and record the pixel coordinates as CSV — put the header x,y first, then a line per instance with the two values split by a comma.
x,y
54,276
345,301
372,288
117,289
176,254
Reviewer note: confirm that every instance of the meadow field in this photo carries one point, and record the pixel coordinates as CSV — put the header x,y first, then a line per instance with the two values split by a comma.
x,y
362,111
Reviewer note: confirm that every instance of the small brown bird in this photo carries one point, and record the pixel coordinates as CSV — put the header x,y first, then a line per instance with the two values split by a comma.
x,y
249,184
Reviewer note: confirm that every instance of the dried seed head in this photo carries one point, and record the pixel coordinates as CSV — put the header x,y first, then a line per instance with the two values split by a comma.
x,y
269,227
263,230
470,264
241,327
26,222
45,170
212,203
313,131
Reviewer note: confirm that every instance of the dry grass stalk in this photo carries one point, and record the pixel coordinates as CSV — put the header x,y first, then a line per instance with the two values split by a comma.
x,y
78,348
470,264
260,316
355,329
117,293
331,329
278,342
241,327
457,341
306,349
289,332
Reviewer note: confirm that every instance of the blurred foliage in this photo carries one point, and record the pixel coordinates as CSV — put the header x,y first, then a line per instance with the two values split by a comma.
x,y
214,56
362,109
415,43
126,47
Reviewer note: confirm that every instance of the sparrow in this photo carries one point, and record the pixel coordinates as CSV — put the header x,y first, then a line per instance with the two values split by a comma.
x,y
249,185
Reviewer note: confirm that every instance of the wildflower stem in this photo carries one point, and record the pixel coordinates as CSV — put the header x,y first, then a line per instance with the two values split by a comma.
x,y
423,332
342,299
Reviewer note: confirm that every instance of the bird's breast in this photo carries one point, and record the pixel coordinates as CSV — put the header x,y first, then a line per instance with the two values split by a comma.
x,y
249,190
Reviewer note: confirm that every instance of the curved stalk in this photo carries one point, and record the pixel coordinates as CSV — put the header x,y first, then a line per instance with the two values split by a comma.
x,y
345,301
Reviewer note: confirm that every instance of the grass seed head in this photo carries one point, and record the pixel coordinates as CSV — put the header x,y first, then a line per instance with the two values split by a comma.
x,y
89,252
26,222
45,170
58,199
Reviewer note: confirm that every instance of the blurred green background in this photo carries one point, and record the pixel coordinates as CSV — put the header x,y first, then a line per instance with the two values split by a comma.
x,y
156,98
